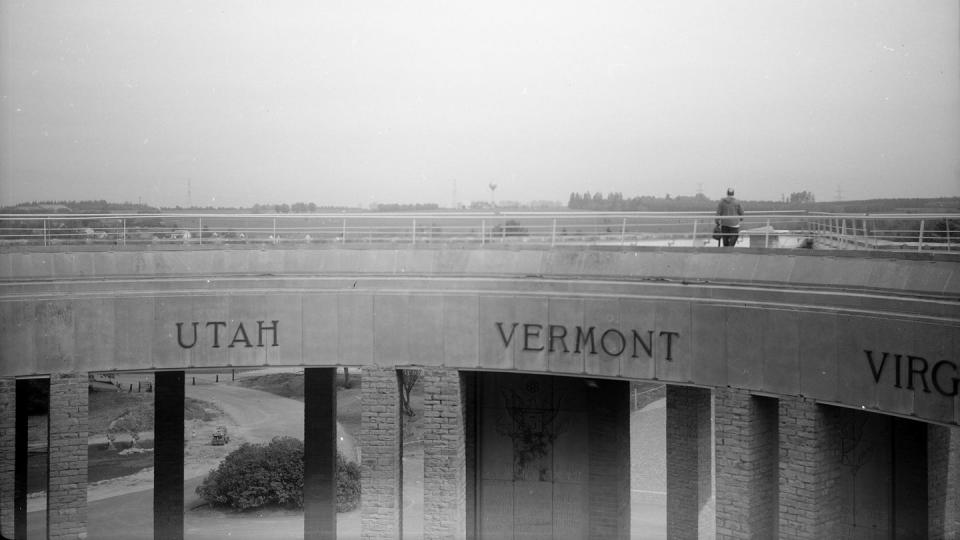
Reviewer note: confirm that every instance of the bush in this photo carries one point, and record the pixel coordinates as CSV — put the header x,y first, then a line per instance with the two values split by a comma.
x,y
256,475
348,484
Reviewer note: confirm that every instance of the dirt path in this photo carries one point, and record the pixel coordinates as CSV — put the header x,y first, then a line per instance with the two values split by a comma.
x,y
250,416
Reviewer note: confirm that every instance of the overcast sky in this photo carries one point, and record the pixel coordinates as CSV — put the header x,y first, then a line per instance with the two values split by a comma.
x,y
348,103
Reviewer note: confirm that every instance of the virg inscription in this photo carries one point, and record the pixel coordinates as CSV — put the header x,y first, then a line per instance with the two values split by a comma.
x,y
240,336
914,371
613,342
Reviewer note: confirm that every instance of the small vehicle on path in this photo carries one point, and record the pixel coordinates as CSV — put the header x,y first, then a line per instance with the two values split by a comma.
x,y
220,436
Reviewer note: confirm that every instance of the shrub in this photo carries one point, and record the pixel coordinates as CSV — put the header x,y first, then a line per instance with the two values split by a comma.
x,y
256,475
348,484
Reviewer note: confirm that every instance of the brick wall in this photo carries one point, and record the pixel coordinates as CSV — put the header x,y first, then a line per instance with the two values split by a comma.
x,y
689,462
746,454
809,470
444,455
381,440
8,432
67,495
943,474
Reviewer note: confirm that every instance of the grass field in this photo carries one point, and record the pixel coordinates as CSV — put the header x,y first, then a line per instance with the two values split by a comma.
x,y
106,406
104,464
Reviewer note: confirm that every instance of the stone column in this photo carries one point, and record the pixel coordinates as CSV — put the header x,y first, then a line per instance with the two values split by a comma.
x,y
168,398
689,463
320,453
381,443
67,477
810,470
747,469
23,391
444,455
609,459
468,391
943,473
8,459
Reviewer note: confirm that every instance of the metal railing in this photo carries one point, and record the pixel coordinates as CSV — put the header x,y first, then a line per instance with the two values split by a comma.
x,y
888,232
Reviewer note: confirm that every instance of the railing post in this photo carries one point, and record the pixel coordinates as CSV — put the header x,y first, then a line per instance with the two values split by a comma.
x,y
200,229
44,232
695,222
623,231
766,235
414,231
124,241
343,232
483,232
274,230
553,234
947,223
920,240
843,233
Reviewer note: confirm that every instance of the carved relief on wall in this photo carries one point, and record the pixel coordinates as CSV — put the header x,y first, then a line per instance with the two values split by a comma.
x,y
532,422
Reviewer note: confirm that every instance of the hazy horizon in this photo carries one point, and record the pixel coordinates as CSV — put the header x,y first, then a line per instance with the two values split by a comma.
x,y
345,104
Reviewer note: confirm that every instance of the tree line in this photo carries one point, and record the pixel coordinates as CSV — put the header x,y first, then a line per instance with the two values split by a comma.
x,y
801,200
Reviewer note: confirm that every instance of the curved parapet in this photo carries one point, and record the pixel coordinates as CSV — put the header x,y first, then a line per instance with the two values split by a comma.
x,y
878,332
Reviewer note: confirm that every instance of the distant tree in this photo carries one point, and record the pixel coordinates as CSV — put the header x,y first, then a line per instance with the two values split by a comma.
x,y
802,197
408,379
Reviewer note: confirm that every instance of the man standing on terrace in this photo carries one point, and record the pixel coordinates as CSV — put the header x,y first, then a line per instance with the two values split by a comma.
x,y
729,212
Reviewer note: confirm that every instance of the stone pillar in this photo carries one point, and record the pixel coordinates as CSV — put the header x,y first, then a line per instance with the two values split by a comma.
x,y
381,443
8,459
910,504
943,473
609,459
444,455
23,391
468,390
747,470
689,463
67,480
320,453
168,398
810,470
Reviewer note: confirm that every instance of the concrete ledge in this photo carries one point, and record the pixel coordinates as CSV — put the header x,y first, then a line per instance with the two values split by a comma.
x,y
900,272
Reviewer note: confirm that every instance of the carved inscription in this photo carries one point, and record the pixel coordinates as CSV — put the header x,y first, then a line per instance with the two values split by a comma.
x,y
915,372
220,333
557,338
